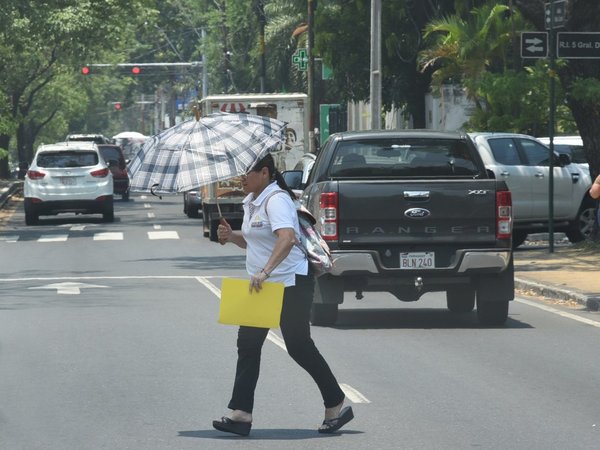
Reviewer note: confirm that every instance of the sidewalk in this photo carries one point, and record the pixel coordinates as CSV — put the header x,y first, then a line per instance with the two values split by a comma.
x,y
570,273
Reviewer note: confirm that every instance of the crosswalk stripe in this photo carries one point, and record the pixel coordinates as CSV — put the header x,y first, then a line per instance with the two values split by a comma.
x,y
101,236
108,236
53,238
163,235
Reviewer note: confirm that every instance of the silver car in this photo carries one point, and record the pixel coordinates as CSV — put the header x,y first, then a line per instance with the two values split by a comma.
x,y
68,177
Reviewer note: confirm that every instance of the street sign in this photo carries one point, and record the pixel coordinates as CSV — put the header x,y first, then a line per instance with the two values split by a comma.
x,y
300,59
560,14
578,45
534,44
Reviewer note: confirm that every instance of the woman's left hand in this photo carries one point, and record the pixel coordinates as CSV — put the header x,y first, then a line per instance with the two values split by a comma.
x,y
257,280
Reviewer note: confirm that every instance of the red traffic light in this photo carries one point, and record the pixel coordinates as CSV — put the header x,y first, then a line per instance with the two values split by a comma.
x,y
117,106
85,70
136,70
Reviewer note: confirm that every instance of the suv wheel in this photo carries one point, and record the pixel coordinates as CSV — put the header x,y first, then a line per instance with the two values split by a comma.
x,y
583,225
31,218
109,214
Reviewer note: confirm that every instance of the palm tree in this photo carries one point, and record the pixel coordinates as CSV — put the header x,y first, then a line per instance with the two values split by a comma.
x,y
463,49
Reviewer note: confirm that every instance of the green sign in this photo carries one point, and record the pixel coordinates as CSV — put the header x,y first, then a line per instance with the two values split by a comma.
x,y
300,59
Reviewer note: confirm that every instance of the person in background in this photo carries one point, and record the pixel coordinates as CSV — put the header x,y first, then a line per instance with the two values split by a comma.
x,y
268,234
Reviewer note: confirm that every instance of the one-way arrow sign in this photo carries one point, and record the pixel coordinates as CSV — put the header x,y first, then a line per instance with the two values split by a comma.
x,y
534,44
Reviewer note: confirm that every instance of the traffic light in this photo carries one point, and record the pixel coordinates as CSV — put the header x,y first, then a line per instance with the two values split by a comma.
x,y
136,70
118,106
85,70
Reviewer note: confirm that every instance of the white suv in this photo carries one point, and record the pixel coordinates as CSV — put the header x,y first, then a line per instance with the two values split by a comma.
x,y
523,163
68,177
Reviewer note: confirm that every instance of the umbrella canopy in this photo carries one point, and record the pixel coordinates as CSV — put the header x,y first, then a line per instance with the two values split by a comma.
x,y
129,135
198,152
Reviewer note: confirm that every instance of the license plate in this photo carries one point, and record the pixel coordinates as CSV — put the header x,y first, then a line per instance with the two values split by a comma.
x,y
68,181
417,260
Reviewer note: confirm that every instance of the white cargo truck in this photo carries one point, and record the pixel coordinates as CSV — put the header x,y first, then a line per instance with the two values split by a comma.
x,y
225,198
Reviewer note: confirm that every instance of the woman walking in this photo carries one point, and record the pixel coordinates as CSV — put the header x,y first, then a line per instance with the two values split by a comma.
x,y
268,234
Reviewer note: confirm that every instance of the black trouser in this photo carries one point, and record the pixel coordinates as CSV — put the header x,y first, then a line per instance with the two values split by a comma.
x,y
295,328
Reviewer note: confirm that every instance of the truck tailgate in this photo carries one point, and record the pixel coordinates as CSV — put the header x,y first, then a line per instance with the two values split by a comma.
x,y
419,213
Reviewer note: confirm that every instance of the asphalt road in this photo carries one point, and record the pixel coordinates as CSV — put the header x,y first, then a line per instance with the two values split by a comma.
x,y
109,340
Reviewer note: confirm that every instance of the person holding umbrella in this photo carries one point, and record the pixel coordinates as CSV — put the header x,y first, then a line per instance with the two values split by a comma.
x,y
268,234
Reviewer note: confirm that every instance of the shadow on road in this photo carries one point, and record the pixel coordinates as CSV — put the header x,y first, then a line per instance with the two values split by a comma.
x,y
266,434
414,318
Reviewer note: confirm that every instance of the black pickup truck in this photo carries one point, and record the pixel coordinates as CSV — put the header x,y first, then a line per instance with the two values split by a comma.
x,y
410,212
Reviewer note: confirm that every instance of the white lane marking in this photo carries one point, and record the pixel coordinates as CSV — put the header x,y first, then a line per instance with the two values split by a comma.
x,y
12,238
351,394
558,312
77,228
157,227
69,288
147,205
275,339
112,236
163,235
53,238
124,277
151,215
143,197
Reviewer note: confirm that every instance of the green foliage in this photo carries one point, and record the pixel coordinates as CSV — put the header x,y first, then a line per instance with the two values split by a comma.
x,y
518,102
586,90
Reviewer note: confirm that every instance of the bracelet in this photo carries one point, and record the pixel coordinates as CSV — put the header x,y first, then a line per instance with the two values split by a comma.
x,y
266,273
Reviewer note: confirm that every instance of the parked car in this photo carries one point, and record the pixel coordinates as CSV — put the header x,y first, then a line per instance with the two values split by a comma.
x,y
299,175
523,162
113,155
192,203
97,138
69,177
569,145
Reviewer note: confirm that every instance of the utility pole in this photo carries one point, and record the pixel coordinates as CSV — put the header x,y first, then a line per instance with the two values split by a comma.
x,y
551,126
375,64
260,11
310,73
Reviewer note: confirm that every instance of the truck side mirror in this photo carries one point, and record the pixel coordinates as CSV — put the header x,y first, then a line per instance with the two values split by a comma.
x,y
293,178
564,159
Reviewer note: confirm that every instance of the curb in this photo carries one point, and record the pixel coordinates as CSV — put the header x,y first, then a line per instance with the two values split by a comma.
x,y
592,302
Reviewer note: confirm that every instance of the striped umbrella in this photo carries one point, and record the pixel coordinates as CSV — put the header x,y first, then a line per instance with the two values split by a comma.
x,y
201,151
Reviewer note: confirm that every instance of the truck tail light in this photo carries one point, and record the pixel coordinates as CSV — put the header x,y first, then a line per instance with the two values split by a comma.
x,y
328,214
503,215
100,173
35,175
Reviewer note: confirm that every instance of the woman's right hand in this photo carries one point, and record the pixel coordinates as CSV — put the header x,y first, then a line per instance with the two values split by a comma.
x,y
224,231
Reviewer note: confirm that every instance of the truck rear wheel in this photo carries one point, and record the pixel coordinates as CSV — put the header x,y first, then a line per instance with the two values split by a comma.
x,y
492,313
518,238
460,299
324,314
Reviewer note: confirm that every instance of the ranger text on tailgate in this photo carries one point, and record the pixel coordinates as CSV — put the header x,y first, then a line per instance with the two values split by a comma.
x,y
410,212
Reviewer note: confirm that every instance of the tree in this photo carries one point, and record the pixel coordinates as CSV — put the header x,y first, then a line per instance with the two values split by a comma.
x,y
37,41
580,79
343,42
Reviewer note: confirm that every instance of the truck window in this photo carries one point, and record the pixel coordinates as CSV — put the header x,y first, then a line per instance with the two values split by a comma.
x,y
402,158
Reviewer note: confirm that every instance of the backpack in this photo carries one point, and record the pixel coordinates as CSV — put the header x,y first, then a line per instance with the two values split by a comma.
x,y
310,241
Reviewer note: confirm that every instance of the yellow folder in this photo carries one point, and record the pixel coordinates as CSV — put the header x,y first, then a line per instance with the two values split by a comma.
x,y
257,309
